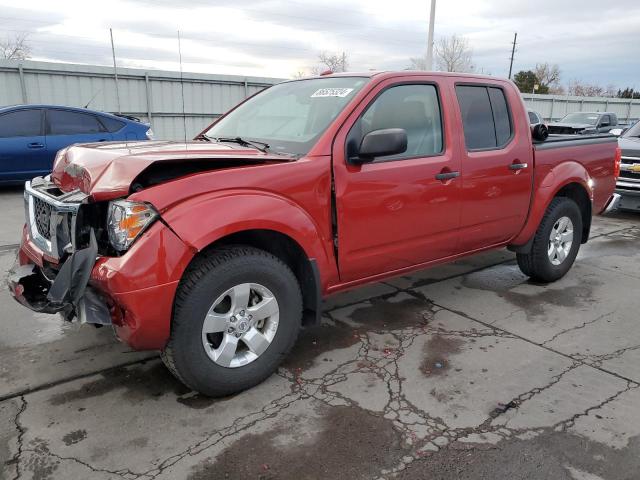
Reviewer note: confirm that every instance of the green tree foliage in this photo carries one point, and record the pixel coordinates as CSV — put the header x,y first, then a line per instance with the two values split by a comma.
x,y
628,93
525,80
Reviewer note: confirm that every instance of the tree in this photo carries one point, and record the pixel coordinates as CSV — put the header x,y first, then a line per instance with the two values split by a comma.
x,y
336,62
579,89
547,75
418,63
15,47
453,54
526,81
628,93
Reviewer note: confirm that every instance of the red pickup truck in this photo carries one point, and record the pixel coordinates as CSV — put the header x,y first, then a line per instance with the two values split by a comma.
x,y
216,251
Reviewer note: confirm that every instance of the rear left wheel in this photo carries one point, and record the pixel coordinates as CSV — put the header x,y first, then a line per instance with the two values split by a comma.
x,y
556,242
237,314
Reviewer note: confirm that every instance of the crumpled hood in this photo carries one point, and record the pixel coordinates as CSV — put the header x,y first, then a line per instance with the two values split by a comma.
x,y
106,170
566,126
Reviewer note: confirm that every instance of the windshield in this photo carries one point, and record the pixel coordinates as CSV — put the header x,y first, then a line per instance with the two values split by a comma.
x,y
634,131
588,118
290,116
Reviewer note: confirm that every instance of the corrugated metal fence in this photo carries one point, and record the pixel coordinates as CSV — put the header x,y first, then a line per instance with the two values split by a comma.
x,y
554,107
153,96
156,96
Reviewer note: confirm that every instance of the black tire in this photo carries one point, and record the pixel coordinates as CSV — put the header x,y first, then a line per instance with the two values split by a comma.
x,y
537,264
208,277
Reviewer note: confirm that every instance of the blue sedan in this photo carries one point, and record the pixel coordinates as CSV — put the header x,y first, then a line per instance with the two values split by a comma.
x,y
31,135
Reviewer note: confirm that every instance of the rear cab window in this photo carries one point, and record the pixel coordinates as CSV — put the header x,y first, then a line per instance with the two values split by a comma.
x,y
486,119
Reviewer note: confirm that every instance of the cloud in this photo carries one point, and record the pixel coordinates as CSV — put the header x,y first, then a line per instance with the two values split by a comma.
x,y
593,43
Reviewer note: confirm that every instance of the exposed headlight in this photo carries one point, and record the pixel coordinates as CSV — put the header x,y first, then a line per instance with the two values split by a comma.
x,y
126,221
149,134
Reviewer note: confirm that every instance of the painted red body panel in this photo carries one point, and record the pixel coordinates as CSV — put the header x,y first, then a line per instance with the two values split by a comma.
x,y
392,217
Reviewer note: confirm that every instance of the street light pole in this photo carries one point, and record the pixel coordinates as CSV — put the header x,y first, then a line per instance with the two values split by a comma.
x,y
432,18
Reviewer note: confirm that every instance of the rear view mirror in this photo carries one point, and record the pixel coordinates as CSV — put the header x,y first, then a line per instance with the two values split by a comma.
x,y
379,143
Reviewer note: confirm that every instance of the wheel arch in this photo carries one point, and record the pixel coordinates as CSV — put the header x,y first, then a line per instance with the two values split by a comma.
x,y
575,186
288,250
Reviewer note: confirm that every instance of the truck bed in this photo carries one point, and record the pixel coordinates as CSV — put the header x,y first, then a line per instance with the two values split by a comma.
x,y
594,152
557,141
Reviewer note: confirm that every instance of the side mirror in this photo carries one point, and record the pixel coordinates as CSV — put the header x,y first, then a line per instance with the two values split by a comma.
x,y
616,131
540,132
379,143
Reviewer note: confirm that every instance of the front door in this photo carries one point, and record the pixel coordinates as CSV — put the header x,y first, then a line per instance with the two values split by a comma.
x,y
397,211
22,145
497,166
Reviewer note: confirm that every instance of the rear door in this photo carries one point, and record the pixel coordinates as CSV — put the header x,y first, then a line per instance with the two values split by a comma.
x,y
497,165
65,127
393,212
22,145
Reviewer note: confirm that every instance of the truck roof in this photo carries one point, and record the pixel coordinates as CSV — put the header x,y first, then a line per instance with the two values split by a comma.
x,y
403,73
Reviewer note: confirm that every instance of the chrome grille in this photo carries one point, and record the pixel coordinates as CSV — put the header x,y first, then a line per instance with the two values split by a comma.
x,y
51,216
42,217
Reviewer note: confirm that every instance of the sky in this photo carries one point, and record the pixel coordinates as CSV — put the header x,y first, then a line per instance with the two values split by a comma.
x,y
592,41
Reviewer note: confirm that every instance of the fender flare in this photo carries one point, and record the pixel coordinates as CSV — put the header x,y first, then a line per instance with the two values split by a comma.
x,y
204,219
570,172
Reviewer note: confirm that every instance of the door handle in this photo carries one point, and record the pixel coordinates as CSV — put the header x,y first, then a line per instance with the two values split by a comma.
x,y
102,140
36,145
447,175
518,166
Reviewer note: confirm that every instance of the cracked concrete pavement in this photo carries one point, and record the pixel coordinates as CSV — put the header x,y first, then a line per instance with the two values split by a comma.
x,y
467,370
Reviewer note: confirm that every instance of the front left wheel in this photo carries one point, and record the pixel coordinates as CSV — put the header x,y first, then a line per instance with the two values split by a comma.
x,y
237,314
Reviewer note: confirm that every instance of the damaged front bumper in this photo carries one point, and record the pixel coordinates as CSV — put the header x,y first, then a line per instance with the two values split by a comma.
x,y
67,292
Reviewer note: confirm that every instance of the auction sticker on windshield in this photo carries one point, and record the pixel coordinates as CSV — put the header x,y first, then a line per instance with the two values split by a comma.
x,y
332,92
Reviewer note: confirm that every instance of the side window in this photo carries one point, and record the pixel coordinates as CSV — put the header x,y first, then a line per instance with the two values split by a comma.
x,y
414,108
605,120
111,124
485,117
21,123
64,122
533,118
500,115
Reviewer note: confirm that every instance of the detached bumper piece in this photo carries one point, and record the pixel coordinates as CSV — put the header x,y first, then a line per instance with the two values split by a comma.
x,y
68,293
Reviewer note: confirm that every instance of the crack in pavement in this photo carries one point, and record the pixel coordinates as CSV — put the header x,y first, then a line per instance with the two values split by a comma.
x,y
421,430
583,325
21,431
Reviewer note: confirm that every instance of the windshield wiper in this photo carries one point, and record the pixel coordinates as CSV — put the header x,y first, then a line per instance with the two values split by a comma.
x,y
263,147
202,136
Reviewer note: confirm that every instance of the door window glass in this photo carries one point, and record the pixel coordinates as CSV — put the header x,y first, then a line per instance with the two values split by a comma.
x,y
485,117
414,108
21,123
64,122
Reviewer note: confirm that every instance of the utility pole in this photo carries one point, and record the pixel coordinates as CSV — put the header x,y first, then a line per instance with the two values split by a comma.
x,y
432,18
513,52
115,71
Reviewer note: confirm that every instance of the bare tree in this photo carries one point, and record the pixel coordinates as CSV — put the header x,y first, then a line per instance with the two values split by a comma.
x,y
577,88
453,54
418,63
547,75
336,62
15,47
